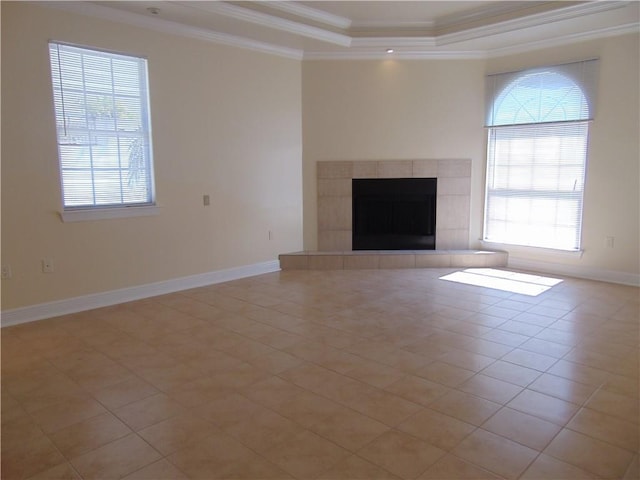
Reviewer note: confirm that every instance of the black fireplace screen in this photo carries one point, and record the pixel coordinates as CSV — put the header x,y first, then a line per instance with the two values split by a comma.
x,y
394,214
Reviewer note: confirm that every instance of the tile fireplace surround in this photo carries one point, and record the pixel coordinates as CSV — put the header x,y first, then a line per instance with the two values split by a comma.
x,y
453,200
335,226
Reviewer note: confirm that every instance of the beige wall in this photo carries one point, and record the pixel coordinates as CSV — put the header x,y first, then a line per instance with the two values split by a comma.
x,y
371,110
391,110
226,122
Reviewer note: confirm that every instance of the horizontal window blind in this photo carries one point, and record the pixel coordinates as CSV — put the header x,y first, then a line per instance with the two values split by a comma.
x,y
536,155
103,127
535,183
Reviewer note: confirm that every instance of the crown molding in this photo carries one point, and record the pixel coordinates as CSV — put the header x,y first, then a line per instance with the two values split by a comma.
x,y
425,48
416,51
394,42
268,21
408,54
312,14
534,20
565,39
175,28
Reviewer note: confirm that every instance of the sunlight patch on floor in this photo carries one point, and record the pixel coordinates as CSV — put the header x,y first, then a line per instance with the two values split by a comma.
x,y
522,283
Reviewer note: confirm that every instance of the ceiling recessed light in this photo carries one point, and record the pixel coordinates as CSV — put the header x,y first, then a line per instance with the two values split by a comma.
x,y
153,10
390,50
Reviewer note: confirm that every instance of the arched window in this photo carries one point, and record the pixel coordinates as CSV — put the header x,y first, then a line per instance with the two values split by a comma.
x,y
538,126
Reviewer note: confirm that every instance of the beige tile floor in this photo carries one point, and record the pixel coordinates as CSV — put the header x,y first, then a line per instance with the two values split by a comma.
x,y
330,375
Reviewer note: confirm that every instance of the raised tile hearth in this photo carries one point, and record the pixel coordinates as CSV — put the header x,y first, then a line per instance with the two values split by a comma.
x,y
386,259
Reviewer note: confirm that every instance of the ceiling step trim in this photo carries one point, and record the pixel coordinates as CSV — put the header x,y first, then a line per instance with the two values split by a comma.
x,y
566,39
535,20
370,48
420,51
312,14
480,14
395,42
408,54
269,21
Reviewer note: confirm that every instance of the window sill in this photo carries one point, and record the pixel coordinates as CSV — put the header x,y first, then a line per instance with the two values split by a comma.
x,y
521,249
90,214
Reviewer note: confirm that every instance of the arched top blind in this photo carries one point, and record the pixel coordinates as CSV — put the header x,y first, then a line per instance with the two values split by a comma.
x,y
543,95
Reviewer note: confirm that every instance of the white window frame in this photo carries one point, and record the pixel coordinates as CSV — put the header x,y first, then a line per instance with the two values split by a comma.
x,y
507,123
105,158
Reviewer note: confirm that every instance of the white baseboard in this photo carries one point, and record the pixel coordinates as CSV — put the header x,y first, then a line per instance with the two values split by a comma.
x,y
103,299
590,273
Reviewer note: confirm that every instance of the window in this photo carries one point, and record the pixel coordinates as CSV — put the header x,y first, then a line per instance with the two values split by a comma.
x,y
103,128
538,128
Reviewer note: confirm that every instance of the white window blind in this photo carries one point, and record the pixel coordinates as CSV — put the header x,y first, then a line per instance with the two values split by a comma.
x,y
536,155
103,127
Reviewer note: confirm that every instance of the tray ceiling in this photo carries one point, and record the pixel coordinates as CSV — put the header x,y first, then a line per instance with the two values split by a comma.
x,y
367,29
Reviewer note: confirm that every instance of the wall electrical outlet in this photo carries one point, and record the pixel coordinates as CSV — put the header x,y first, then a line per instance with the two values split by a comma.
x,y
6,271
609,242
47,265
206,201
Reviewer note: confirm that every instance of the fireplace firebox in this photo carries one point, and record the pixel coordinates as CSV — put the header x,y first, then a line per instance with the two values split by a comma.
x,y
394,213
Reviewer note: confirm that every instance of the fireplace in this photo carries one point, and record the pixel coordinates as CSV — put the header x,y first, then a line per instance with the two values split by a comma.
x,y
394,213
335,197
